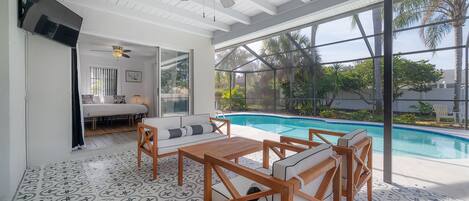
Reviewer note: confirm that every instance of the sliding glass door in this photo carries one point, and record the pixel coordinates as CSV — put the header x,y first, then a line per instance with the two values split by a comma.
x,y
175,87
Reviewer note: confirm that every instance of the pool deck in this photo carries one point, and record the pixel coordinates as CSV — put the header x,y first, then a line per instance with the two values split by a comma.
x,y
450,177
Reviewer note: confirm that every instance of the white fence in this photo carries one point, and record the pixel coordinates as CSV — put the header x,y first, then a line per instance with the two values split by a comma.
x,y
347,100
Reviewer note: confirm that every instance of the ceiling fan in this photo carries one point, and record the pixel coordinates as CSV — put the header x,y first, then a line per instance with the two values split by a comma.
x,y
117,52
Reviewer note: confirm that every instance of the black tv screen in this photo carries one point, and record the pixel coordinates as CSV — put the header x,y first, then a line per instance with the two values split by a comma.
x,y
51,19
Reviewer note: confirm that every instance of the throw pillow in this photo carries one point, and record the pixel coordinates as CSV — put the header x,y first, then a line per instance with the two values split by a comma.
x,y
119,99
170,133
200,129
87,99
255,188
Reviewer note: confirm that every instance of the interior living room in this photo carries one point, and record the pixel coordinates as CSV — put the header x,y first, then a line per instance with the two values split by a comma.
x,y
234,100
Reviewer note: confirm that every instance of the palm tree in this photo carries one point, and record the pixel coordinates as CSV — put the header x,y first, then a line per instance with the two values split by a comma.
x,y
431,11
276,46
291,59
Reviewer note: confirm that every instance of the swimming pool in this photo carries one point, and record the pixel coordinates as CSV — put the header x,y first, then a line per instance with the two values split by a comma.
x,y
406,141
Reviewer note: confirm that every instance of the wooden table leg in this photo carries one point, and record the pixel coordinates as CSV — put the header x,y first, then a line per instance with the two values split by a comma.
x,y
93,123
236,160
180,167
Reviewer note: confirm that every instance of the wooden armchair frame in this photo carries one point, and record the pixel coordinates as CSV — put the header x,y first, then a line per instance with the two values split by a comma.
x,y
147,134
363,172
286,189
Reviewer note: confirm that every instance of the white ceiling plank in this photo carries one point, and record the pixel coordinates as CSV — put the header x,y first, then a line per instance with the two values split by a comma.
x,y
265,6
309,1
228,12
292,14
163,7
139,16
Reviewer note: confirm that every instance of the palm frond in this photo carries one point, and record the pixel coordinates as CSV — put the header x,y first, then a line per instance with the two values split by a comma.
x,y
435,7
409,12
433,35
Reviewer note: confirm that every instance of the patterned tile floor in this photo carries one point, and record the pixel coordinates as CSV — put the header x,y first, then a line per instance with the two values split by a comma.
x,y
115,177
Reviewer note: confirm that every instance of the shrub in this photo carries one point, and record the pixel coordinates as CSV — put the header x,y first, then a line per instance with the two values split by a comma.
x,y
423,108
361,115
405,119
377,118
235,99
328,113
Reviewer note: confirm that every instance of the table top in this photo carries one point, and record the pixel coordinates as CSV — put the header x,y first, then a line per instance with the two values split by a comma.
x,y
230,148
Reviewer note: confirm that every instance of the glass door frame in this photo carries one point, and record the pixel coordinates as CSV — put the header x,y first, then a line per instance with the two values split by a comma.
x,y
158,97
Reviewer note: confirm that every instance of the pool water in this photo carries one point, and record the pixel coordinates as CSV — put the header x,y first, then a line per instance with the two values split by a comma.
x,y
406,141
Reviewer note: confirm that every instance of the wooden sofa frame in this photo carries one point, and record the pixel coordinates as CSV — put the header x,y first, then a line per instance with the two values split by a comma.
x,y
147,134
356,179
286,189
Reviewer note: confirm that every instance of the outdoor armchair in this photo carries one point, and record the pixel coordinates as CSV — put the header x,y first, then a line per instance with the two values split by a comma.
x,y
310,174
356,151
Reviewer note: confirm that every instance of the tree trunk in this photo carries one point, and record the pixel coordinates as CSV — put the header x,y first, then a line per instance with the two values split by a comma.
x,y
312,70
458,56
291,79
377,28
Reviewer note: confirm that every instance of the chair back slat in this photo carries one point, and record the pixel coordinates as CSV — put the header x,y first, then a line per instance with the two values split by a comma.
x,y
440,109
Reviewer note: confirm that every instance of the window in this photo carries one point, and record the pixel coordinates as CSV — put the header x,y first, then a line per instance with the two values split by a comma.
x,y
103,81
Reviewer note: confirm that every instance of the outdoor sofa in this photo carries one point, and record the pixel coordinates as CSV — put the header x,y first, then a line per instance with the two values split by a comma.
x,y
160,137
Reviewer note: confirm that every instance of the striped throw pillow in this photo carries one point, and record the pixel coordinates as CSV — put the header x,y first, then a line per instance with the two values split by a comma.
x,y
199,129
171,133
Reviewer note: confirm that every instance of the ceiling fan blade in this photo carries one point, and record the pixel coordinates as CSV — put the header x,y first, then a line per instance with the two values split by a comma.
x,y
127,51
125,55
227,3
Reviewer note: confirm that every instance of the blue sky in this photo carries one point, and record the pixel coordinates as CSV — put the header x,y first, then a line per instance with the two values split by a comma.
x,y
404,42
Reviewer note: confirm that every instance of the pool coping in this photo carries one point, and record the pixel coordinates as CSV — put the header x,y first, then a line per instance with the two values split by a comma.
x,y
460,134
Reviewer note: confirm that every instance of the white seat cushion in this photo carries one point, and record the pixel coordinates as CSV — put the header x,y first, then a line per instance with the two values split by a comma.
x,y
195,120
242,185
294,165
352,138
349,140
163,123
172,145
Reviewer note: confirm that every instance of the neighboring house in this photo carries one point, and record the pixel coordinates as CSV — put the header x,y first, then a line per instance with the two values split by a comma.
x,y
449,77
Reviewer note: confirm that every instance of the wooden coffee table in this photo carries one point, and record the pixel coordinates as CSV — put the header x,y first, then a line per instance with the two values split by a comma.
x,y
230,149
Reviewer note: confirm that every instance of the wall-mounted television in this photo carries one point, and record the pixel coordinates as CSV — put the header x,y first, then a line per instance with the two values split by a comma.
x,y
51,19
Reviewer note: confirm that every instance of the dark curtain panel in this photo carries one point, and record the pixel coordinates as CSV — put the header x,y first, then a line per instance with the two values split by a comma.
x,y
77,133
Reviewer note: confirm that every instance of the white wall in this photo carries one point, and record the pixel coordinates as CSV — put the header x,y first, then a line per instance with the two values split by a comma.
x,y
50,108
128,89
12,102
50,125
4,103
